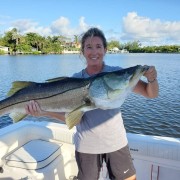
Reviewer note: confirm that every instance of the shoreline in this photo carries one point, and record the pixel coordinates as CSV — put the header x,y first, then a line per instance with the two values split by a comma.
x,y
78,52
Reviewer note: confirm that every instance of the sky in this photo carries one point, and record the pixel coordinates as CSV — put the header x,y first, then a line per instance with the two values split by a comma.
x,y
151,22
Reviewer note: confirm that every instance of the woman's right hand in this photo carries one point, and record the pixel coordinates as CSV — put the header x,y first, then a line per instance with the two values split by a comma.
x,y
33,108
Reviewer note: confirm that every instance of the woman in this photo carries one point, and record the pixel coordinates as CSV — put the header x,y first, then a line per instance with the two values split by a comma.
x,y
101,135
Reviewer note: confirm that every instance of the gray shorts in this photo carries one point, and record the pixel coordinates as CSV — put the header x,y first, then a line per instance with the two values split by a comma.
x,y
119,164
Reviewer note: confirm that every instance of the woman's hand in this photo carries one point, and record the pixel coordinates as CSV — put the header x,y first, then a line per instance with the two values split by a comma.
x,y
33,108
151,74
150,89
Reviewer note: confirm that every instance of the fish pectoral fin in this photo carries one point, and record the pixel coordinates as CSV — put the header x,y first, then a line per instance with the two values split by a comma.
x,y
73,118
16,116
18,85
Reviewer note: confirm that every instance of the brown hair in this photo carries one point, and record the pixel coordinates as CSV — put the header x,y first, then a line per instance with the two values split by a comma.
x,y
92,32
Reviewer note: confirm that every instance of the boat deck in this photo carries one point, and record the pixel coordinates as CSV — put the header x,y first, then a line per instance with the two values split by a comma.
x,y
154,157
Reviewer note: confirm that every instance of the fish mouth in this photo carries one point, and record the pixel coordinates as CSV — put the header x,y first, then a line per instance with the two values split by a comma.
x,y
139,72
145,68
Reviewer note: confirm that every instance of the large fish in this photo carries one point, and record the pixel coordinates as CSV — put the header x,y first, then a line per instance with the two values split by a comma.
x,y
74,96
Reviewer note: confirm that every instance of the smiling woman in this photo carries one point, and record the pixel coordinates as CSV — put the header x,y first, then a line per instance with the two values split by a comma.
x,y
108,147
94,52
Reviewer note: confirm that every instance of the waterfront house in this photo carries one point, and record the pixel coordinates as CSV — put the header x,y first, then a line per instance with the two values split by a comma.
x,y
5,49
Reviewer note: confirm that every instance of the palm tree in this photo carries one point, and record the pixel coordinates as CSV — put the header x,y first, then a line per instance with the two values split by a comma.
x,y
15,35
76,40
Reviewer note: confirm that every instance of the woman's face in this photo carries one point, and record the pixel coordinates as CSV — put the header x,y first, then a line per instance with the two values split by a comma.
x,y
94,51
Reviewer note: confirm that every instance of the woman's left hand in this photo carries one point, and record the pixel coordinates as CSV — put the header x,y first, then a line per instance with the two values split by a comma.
x,y
151,74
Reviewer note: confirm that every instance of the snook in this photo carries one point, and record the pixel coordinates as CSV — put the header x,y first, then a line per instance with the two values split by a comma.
x,y
73,95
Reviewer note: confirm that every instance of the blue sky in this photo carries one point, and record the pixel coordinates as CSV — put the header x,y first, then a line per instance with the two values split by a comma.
x,y
152,22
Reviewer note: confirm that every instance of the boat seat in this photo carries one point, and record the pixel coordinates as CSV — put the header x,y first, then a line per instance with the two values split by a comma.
x,y
33,155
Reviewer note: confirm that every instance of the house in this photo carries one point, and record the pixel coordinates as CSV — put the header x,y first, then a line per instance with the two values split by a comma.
x,y
5,49
124,51
114,50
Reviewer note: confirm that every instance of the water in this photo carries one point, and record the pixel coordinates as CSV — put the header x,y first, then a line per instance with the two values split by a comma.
x,y
160,116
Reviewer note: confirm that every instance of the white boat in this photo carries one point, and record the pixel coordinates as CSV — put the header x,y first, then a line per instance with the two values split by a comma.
x,y
38,149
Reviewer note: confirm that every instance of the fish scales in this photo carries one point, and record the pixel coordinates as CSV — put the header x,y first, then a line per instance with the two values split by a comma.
x,y
43,91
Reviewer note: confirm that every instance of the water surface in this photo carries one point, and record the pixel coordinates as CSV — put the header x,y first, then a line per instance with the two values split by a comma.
x,y
160,116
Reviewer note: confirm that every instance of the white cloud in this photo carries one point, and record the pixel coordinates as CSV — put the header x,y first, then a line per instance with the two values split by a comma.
x,y
112,35
150,31
134,27
82,25
27,25
61,26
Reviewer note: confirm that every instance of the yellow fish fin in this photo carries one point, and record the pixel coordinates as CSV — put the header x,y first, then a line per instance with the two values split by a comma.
x,y
73,118
18,85
16,116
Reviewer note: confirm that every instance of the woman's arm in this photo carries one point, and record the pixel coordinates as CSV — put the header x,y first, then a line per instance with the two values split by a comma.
x,y
34,109
150,89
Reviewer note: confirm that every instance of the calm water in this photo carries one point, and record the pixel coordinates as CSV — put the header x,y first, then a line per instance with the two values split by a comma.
x,y
160,116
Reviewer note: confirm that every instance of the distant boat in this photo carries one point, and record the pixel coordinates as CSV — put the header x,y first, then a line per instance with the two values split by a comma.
x,y
124,51
39,149
116,50
70,52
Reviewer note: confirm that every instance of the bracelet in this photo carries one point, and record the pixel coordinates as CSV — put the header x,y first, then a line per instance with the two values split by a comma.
x,y
151,81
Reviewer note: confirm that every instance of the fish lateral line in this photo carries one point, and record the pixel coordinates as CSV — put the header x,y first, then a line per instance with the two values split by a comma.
x,y
39,98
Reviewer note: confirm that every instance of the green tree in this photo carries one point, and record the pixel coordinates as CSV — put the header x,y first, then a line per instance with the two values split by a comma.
x,y
15,35
35,40
113,44
11,39
134,46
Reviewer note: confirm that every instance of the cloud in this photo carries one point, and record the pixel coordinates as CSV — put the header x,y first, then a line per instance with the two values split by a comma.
x,y
134,27
149,31
112,35
27,25
61,26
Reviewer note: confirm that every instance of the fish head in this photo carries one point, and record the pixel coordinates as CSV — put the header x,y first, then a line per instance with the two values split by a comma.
x,y
111,89
136,75
105,91
118,81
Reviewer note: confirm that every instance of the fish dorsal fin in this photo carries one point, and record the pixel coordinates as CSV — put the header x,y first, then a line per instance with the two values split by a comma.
x,y
56,79
18,85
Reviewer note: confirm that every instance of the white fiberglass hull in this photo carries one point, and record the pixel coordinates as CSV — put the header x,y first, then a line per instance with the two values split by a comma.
x,y
155,158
